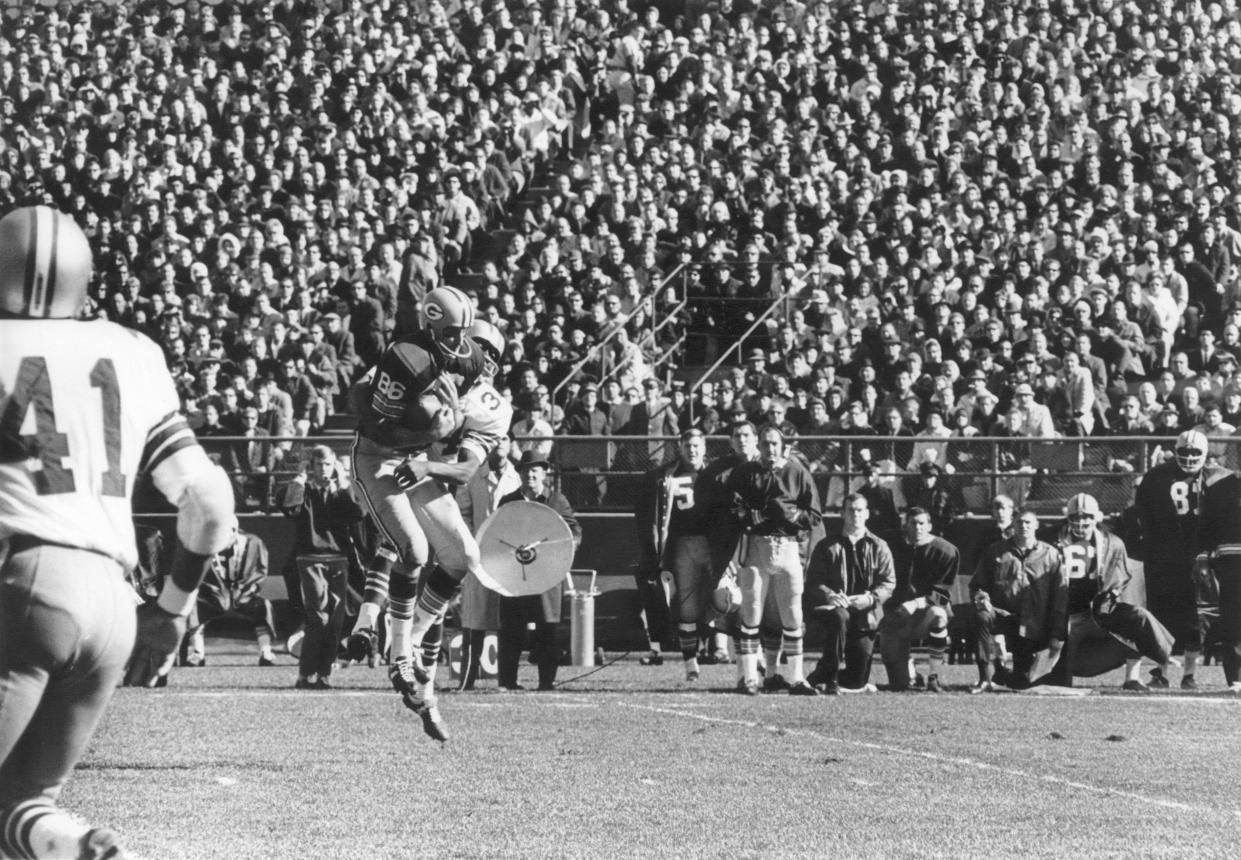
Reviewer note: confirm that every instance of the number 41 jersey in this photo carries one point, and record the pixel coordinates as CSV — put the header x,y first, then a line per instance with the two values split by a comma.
x,y
84,408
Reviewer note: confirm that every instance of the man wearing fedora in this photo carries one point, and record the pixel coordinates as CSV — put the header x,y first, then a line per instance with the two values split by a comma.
x,y
542,609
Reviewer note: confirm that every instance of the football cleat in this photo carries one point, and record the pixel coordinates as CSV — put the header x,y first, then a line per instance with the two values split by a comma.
x,y
265,660
801,688
1135,686
654,658
747,687
195,659
775,684
432,723
1158,681
404,679
362,645
1189,683
692,673
100,843
865,688
986,687
933,685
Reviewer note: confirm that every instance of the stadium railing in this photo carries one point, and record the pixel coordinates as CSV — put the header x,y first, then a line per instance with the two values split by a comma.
x,y
603,473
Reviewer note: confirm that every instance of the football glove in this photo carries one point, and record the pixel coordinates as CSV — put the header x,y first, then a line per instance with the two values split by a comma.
x,y
155,646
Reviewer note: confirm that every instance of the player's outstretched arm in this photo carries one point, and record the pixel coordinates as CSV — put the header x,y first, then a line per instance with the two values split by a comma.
x,y
205,525
412,471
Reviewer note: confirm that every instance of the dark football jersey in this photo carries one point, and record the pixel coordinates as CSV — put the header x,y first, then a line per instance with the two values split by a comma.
x,y
408,369
1180,513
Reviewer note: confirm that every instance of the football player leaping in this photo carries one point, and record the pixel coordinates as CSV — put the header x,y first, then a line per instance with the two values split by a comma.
x,y
392,428
85,407
485,417
1180,518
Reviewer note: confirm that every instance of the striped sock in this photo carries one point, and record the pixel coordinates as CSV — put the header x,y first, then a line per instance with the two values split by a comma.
x,y
377,576
432,604
747,654
936,649
794,649
35,828
401,616
687,635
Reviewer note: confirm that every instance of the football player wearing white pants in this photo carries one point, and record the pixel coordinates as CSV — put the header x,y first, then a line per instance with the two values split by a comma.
x,y
781,506
429,484
85,408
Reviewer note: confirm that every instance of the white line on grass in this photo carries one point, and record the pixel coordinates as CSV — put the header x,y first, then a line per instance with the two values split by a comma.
x,y
961,761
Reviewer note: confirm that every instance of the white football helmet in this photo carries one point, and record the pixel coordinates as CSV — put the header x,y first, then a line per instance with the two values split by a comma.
x,y
488,337
45,264
1084,515
447,313
1191,451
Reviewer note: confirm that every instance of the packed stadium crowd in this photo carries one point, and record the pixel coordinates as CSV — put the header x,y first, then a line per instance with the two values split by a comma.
x,y
998,218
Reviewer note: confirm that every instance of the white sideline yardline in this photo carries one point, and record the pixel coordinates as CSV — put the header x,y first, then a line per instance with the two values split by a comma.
x,y
960,761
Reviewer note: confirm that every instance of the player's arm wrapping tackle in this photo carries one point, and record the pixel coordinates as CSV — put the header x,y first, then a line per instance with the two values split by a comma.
x,y
205,525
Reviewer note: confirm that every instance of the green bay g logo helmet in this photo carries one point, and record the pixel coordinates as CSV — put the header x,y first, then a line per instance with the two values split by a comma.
x,y
45,264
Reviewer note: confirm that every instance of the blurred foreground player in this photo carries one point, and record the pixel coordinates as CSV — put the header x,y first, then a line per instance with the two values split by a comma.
x,y
86,408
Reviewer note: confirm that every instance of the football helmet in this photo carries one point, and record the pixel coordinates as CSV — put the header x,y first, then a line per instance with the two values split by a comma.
x,y
45,264
1084,515
1191,451
727,595
446,314
492,342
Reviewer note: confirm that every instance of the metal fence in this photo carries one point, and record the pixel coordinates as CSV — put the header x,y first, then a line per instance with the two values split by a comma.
x,y
603,473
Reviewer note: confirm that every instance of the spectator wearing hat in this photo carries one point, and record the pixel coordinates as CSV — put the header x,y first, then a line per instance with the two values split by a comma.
x,y
542,610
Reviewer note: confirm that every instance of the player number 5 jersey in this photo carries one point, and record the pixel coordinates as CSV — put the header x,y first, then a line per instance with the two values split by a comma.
x,y
85,407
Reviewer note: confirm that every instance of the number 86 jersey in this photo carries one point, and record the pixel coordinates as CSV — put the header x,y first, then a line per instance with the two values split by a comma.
x,y
84,408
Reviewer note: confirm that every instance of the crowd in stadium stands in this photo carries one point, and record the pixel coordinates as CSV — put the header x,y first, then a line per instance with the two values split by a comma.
x,y
1012,218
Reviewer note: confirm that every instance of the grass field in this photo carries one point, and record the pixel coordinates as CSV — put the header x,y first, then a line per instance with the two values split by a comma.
x,y
230,762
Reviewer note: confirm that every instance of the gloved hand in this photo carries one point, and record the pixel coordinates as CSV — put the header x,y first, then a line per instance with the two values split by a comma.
x,y
155,646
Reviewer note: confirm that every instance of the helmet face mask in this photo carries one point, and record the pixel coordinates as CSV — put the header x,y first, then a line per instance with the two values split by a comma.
x,y
1191,451
489,339
447,313
45,264
1083,515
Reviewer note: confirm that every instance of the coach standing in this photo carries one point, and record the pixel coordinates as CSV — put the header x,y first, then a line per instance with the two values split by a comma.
x,y
325,509
848,580
541,609
672,521
780,507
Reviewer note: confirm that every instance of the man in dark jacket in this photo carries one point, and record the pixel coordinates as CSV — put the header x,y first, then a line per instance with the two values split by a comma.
x,y
1019,590
323,548
542,609
847,582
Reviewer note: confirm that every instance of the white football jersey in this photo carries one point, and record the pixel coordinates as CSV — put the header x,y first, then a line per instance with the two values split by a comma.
x,y
85,407
485,419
